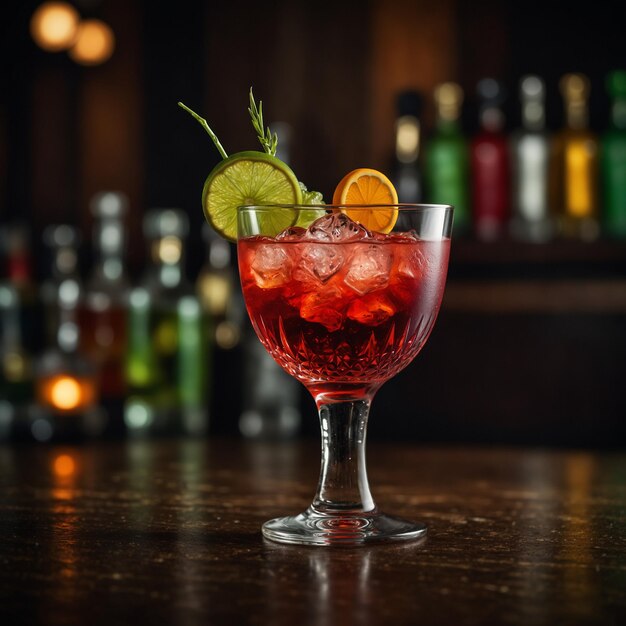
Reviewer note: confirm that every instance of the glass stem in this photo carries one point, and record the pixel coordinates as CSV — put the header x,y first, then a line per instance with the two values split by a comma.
x,y
343,486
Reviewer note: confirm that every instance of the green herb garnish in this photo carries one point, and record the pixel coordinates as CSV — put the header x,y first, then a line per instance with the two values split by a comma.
x,y
268,140
206,127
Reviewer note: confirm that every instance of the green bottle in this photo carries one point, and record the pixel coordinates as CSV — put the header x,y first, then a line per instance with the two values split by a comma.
x,y
613,158
446,166
192,366
143,377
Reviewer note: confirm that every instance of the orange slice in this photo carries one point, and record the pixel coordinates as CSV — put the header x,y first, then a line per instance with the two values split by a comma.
x,y
363,187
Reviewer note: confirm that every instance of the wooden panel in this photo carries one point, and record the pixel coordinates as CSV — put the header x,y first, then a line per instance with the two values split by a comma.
x,y
541,379
311,72
110,123
53,176
556,297
414,46
484,42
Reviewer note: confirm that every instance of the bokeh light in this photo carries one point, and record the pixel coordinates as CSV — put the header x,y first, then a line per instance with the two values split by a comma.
x,y
94,43
54,26
64,465
65,393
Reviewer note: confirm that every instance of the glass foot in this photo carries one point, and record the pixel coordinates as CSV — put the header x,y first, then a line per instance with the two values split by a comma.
x,y
314,528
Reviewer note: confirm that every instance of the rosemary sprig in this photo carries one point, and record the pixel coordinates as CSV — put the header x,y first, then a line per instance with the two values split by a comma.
x,y
268,140
206,127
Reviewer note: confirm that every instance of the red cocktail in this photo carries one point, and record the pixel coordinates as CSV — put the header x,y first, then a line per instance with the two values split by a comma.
x,y
342,316
343,310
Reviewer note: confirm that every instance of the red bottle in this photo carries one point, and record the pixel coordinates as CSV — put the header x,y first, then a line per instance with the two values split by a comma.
x,y
490,165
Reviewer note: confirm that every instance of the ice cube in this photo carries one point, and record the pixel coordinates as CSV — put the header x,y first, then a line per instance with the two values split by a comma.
x,y
319,261
293,233
371,310
324,306
271,266
369,268
412,263
336,227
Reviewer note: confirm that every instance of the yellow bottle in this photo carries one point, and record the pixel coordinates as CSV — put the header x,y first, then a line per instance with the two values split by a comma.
x,y
575,164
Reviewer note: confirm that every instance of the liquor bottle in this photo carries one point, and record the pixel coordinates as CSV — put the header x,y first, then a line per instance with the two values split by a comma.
x,y
574,170
16,381
270,404
220,296
66,383
613,158
63,241
20,329
193,366
216,287
165,283
490,164
102,316
530,159
271,398
19,273
406,172
446,164
141,369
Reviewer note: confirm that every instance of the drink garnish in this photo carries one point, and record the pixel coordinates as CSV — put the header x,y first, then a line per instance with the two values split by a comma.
x,y
252,178
365,186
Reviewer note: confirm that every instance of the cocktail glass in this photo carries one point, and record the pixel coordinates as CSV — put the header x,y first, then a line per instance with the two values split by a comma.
x,y
343,310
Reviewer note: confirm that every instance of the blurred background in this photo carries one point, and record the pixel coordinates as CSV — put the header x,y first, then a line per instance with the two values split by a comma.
x,y
121,314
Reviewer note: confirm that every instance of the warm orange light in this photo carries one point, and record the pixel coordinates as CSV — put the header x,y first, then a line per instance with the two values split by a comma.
x,y
64,466
53,26
94,43
66,393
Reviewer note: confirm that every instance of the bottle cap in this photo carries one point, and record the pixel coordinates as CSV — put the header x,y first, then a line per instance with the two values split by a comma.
x,y
61,236
574,87
109,204
165,222
532,92
532,87
448,98
616,84
409,102
491,92
491,95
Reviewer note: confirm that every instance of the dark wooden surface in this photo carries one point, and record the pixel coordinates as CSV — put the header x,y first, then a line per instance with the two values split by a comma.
x,y
168,532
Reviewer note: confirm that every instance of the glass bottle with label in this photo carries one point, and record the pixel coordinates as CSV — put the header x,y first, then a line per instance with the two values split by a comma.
x,y
574,171
16,376
613,158
141,368
193,366
20,329
216,287
446,162
18,270
67,389
219,293
103,314
164,283
271,398
490,164
406,171
62,240
530,160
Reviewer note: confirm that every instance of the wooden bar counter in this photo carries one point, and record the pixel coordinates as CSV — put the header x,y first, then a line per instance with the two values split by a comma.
x,y
168,532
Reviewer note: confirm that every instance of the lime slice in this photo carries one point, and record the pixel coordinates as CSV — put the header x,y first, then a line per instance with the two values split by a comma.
x,y
249,178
